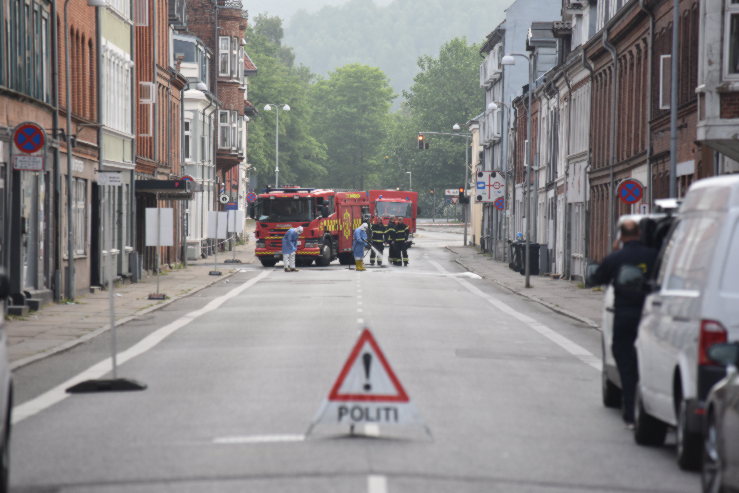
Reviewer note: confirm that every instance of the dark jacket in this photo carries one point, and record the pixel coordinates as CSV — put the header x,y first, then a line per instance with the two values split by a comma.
x,y
401,232
378,233
633,253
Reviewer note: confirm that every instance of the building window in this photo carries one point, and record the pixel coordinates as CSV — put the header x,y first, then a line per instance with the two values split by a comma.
x,y
28,50
188,140
240,134
224,131
116,71
224,56
79,216
234,57
234,137
732,39
665,77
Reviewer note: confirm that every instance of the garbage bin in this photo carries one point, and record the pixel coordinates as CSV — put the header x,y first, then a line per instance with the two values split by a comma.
x,y
533,259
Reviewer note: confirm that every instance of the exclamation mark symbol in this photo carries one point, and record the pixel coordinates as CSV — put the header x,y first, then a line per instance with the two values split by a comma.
x,y
367,360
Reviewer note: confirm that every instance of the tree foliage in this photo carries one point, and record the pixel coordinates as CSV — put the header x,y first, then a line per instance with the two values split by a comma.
x,y
445,91
351,108
391,37
302,157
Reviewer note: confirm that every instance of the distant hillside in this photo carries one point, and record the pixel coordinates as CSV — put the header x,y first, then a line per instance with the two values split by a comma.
x,y
390,37
286,8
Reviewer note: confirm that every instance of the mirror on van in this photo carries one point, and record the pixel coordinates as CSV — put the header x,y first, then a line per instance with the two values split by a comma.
x,y
726,354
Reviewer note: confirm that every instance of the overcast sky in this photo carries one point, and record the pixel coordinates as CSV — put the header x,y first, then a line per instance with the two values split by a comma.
x,y
285,8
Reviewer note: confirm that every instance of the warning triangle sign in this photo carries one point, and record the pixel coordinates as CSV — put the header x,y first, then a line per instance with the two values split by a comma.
x,y
367,376
367,391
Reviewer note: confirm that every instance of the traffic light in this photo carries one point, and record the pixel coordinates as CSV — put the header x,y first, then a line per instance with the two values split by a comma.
x,y
463,199
422,144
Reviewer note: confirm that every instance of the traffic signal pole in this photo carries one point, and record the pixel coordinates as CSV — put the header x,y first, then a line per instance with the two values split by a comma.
x,y
422,144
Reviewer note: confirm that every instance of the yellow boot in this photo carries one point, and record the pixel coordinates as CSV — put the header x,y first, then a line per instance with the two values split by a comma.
x,y
360,265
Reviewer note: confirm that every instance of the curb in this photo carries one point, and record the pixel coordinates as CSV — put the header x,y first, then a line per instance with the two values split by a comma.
x,y
554,308
96,332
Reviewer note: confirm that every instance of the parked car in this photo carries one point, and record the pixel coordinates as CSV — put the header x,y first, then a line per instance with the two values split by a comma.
x,y
721,426
694,304
6,389
653,229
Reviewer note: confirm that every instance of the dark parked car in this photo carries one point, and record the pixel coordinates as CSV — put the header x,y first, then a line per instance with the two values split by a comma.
x,y
721,428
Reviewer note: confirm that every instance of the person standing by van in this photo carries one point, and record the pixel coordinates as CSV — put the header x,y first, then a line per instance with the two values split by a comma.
x,y
628,305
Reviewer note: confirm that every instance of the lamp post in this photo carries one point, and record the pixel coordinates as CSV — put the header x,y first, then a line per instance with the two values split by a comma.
x,y
410,180
493,106
456,128
510,60
285,107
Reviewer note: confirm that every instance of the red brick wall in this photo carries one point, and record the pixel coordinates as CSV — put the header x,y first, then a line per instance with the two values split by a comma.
x,y
730,105
83,69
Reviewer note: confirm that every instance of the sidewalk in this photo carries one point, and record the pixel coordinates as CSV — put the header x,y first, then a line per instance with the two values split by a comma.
x,y
565,297
58,327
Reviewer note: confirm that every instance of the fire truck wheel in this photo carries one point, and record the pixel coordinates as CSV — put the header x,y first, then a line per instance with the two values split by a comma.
x,y
325,258
268,262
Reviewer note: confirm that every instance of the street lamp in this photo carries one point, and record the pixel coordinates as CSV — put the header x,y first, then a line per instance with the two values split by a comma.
x,y
457,128
410,180
509,59
285,107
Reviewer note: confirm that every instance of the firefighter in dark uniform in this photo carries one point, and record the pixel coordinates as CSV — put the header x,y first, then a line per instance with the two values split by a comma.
x,y
400,239
393,256
377,239
627,306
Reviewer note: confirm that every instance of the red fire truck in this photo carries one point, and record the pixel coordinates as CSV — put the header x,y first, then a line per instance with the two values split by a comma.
x,y
328,218
400,203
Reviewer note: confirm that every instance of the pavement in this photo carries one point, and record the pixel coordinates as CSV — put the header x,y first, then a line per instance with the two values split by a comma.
x,y
59,327
569,298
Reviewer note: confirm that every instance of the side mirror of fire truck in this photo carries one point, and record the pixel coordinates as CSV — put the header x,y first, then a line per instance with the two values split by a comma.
x,y
324,211
418,211
252,211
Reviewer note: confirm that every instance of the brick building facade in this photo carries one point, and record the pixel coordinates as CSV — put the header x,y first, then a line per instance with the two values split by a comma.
x,y
159,130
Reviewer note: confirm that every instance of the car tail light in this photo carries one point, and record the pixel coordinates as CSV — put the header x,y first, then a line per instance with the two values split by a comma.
x,y
712,332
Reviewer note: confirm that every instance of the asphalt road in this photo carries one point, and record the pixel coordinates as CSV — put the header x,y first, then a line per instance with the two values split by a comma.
x,y
236,374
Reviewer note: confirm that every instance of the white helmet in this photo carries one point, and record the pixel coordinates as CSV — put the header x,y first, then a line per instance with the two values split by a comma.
x,y
364,226
299,229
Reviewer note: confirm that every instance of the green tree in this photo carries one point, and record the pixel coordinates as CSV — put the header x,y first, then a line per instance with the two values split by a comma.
x,y
278,81
350,109
445,91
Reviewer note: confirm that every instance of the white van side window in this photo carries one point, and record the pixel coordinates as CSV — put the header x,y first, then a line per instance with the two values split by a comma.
x,y
730,274
694,246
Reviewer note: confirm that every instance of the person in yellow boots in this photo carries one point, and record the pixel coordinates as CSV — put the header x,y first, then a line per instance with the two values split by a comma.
x,y
359,244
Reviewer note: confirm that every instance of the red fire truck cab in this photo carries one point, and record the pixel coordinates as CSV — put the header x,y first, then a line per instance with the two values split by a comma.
x,y
400,203
328,218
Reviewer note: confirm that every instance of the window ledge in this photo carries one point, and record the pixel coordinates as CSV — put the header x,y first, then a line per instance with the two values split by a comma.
x,y
728,86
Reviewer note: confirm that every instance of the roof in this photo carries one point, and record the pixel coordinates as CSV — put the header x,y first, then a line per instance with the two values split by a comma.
x,y
493,38
249,67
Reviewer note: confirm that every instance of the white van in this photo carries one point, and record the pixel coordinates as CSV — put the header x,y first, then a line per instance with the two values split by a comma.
x,y
694,303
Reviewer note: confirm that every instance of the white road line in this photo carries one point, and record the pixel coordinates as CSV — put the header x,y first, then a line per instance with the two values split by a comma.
x,y
360,321
571,347
376,484
359,310
257,439
58,393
